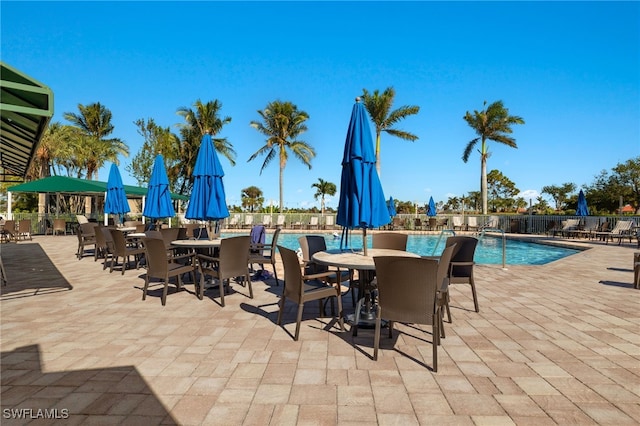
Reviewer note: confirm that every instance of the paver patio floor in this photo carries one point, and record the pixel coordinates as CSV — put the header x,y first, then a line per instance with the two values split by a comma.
x,y
552,344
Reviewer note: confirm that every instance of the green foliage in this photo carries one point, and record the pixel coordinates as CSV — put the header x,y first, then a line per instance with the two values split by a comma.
x,y
623,181
282,123
378,106
560,194
493,123
502,191
323,188
252,198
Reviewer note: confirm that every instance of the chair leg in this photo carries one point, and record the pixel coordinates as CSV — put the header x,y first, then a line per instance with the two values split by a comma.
x,y
340,313
221,287
248,279
275,274
281,304
475,296
298,321
376,335
146,286
165,290
435,343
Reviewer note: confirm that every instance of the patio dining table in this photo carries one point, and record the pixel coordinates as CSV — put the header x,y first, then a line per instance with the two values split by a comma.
x,y
366,267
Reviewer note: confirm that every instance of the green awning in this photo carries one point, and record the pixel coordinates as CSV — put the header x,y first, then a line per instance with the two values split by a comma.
x,y
69,185
26,106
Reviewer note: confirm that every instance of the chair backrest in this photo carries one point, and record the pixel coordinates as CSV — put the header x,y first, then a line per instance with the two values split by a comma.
x,y
281,220
120,243
329,220
492,222
293,284
266,220
100,240
432,222
24,226
248,219
82,218
472,221
169,235
407,288
10,225
571,224
156,254
310,245
182,233
235,219
444,264
313,221
417,222
464,252
153,233
234,256
621,226
457,221
59,225
390,240
108,239
87,229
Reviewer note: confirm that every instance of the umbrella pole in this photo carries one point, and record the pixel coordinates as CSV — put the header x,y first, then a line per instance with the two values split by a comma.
x,y
364,239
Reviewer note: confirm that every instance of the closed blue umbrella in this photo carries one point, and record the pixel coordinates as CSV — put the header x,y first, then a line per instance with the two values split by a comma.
x,y
362,203
391,206
116,200
582,210
431,209
208,200
158,201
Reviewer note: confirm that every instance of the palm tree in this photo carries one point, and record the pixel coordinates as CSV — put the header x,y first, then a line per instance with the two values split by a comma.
x,y
379,107
323,188
94,149
197,121
493,123
252,198
282,123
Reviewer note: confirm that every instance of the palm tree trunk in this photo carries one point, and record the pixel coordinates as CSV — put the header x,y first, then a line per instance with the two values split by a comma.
x,y
483,183
281,188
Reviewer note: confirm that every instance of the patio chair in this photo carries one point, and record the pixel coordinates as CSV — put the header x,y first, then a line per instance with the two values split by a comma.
x,y
59,225
310,245
232,263
590,225
462,265
86,237
417,224
281,222
122,248
234,222
442,223
163,267
9,231
301,288
266,221
261,253
24,229
407,293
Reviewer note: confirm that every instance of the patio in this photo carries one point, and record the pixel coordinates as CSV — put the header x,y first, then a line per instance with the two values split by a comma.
x,y
552,344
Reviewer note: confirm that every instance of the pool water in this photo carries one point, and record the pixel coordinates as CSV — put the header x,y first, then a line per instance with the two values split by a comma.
x,y
488,251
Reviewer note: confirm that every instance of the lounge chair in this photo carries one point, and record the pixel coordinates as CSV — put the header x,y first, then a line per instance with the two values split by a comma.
x,y
281,222
235,221
570,228
621,231
493,222
590,225
313,223
442,223
248,221
472,223
266,221
329,222
458,223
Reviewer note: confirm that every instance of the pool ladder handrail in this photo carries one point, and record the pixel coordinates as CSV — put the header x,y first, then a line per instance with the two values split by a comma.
x,y
504,243
444,231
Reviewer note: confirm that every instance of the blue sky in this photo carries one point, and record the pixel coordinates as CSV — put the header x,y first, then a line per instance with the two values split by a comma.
x,y
570,69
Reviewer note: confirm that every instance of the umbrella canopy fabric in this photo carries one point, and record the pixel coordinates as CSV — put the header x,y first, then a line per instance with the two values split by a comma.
x,y
208,200
116,200
362,203
158,203
431,209
582,210
391,207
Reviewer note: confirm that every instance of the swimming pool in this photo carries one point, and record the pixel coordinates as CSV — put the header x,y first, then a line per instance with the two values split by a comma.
x,y
488,251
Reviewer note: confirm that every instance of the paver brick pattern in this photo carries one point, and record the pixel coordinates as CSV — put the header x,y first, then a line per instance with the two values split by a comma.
x,y
552,344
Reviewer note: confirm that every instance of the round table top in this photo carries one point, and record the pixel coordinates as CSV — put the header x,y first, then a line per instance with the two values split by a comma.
x,y
126,228
197,243
356,259
137,235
